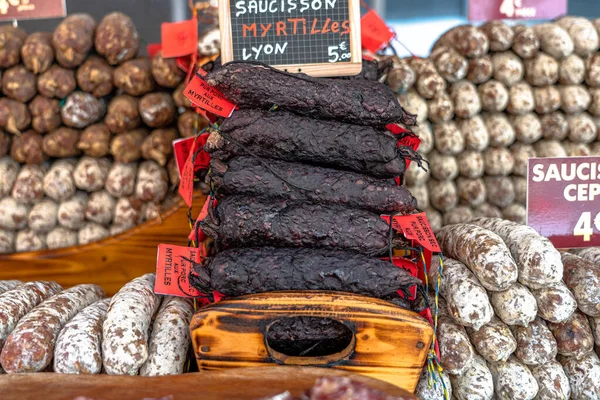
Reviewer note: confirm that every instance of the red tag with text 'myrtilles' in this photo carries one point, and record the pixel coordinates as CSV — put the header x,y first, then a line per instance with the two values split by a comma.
x,y
199,92
173,266
179,38
375,34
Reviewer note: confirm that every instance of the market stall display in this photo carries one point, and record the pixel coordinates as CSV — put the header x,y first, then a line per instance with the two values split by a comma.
x,y
490,97
538,342
87,127
79,331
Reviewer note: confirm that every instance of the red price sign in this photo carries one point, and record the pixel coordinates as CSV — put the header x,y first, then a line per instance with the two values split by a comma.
x,y
563,200
32,9
179,38
173,266
482,10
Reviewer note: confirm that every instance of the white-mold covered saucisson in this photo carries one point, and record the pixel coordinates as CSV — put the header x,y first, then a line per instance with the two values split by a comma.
x,y
584,376
583,279
515,305
170,338
513,380
475,383
482,251
591,254
574,336
467,300
535,343
30,346
125,329
5,286
15,303
552,381
78,348
555,303
436,391
539,263
456,351
595,325
494,341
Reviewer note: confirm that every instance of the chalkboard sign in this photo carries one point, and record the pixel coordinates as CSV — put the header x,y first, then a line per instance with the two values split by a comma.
x,y
316,37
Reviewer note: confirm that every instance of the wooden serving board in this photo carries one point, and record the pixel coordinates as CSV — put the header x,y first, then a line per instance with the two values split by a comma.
x,y
239,384
389,343
111,262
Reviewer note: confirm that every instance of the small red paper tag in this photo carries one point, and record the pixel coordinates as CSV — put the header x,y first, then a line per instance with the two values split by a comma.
x,y
409,140
184,63
182,148
186,174
199,92
179,38
411,268
153,49
209,202
375,34
396,129
415,227
172,270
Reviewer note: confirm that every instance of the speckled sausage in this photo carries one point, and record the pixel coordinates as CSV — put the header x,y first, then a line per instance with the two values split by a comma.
x,y
5,286
125,329
494,341
467,300
515,305
552,381
78,348
556,303
15,303
30,346
482,251
573,336
535,343
583,279
538,261
434,392
170,338
475,383
584,376
513,380
456,351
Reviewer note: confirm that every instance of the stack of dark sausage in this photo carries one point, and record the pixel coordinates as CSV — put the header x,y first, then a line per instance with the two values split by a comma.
x,y
302,172
79,331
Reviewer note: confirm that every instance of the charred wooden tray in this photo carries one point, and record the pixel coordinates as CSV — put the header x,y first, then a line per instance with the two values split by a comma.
x,y
111,262
385,342
239,384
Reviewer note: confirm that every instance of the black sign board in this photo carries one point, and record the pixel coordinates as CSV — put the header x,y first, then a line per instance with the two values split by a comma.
x,y
317,37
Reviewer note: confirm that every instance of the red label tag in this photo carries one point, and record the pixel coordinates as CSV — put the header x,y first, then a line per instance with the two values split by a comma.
x,y
173,267
182,148
485,10
375,34
415,227
179,38
153,49
396,129
186,174
199,92
209,202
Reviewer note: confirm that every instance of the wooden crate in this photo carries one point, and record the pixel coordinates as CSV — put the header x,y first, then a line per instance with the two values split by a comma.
x,y
389,343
